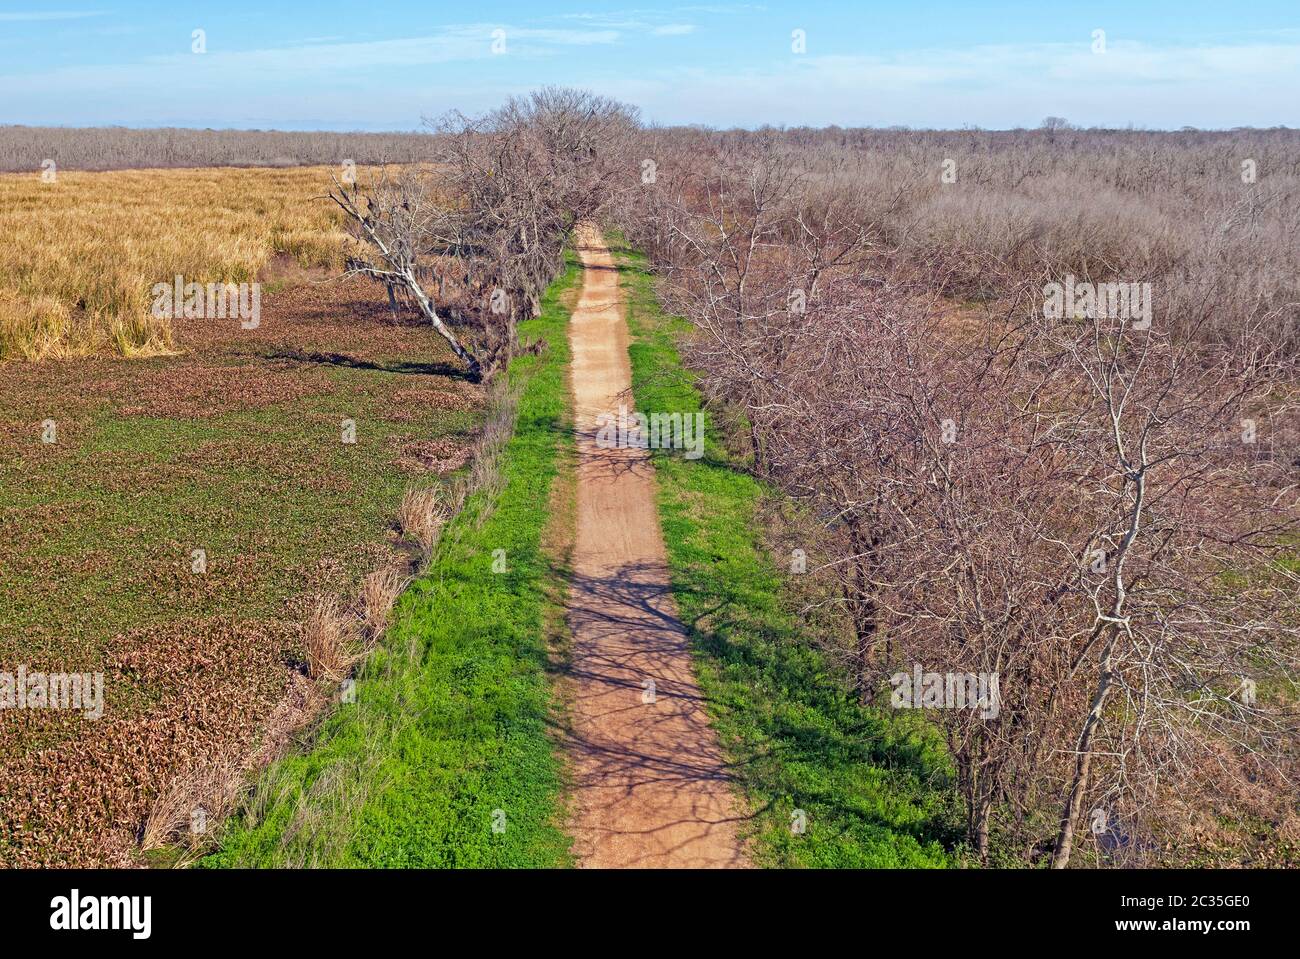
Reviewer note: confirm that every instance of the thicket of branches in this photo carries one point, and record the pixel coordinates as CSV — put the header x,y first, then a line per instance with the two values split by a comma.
x,y
1100,512
474,236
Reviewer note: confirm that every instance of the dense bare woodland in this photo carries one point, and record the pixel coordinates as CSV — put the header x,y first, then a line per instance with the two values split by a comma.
x,y
120,148
1093,500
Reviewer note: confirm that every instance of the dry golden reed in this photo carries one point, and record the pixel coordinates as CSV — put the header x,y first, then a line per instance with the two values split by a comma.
x,y
84,251
330,636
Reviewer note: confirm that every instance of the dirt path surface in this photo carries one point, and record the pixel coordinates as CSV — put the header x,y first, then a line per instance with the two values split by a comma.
x,y
650,785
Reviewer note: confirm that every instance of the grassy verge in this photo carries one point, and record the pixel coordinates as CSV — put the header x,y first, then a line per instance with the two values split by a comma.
x,y
444,758
874,788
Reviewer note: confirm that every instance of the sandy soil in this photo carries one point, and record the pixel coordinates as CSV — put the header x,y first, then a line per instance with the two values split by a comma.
x,y
651,788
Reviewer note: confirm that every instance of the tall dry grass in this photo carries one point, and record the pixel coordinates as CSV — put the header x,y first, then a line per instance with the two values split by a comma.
x,y
83,252
422,517
331,636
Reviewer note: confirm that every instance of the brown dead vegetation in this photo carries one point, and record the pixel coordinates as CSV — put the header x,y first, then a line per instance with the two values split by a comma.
x,y
423,516
432,456
1101,512
193,706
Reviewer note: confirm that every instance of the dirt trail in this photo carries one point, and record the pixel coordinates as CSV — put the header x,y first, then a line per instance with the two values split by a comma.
x,y
650,785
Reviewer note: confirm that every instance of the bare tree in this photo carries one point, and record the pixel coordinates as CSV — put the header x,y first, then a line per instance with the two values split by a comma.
x,y
1180,505
392,220
494,210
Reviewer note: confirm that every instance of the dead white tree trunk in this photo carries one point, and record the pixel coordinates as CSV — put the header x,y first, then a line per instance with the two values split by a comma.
x,y
395,238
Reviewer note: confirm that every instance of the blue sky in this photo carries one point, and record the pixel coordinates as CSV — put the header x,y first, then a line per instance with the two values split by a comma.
x,y
380,65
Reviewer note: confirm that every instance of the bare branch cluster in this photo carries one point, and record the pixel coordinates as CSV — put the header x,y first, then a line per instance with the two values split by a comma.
x,y
488,219
1095,510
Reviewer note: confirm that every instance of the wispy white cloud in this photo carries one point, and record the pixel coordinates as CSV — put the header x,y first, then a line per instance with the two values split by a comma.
x,y
456,43
1246,83
288,84
665,22
564,37
1211,85
35,15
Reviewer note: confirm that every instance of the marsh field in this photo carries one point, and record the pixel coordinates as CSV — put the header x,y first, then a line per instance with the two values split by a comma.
x,y
183,435
320,563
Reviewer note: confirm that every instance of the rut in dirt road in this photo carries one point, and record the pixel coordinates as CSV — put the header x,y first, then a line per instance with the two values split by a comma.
x,y
651,788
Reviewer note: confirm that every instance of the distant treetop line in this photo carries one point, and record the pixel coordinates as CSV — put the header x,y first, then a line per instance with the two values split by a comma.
x,y
24,148
114,148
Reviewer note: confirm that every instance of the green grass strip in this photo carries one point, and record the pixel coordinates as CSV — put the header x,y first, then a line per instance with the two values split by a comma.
x,y
875,787
445,759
